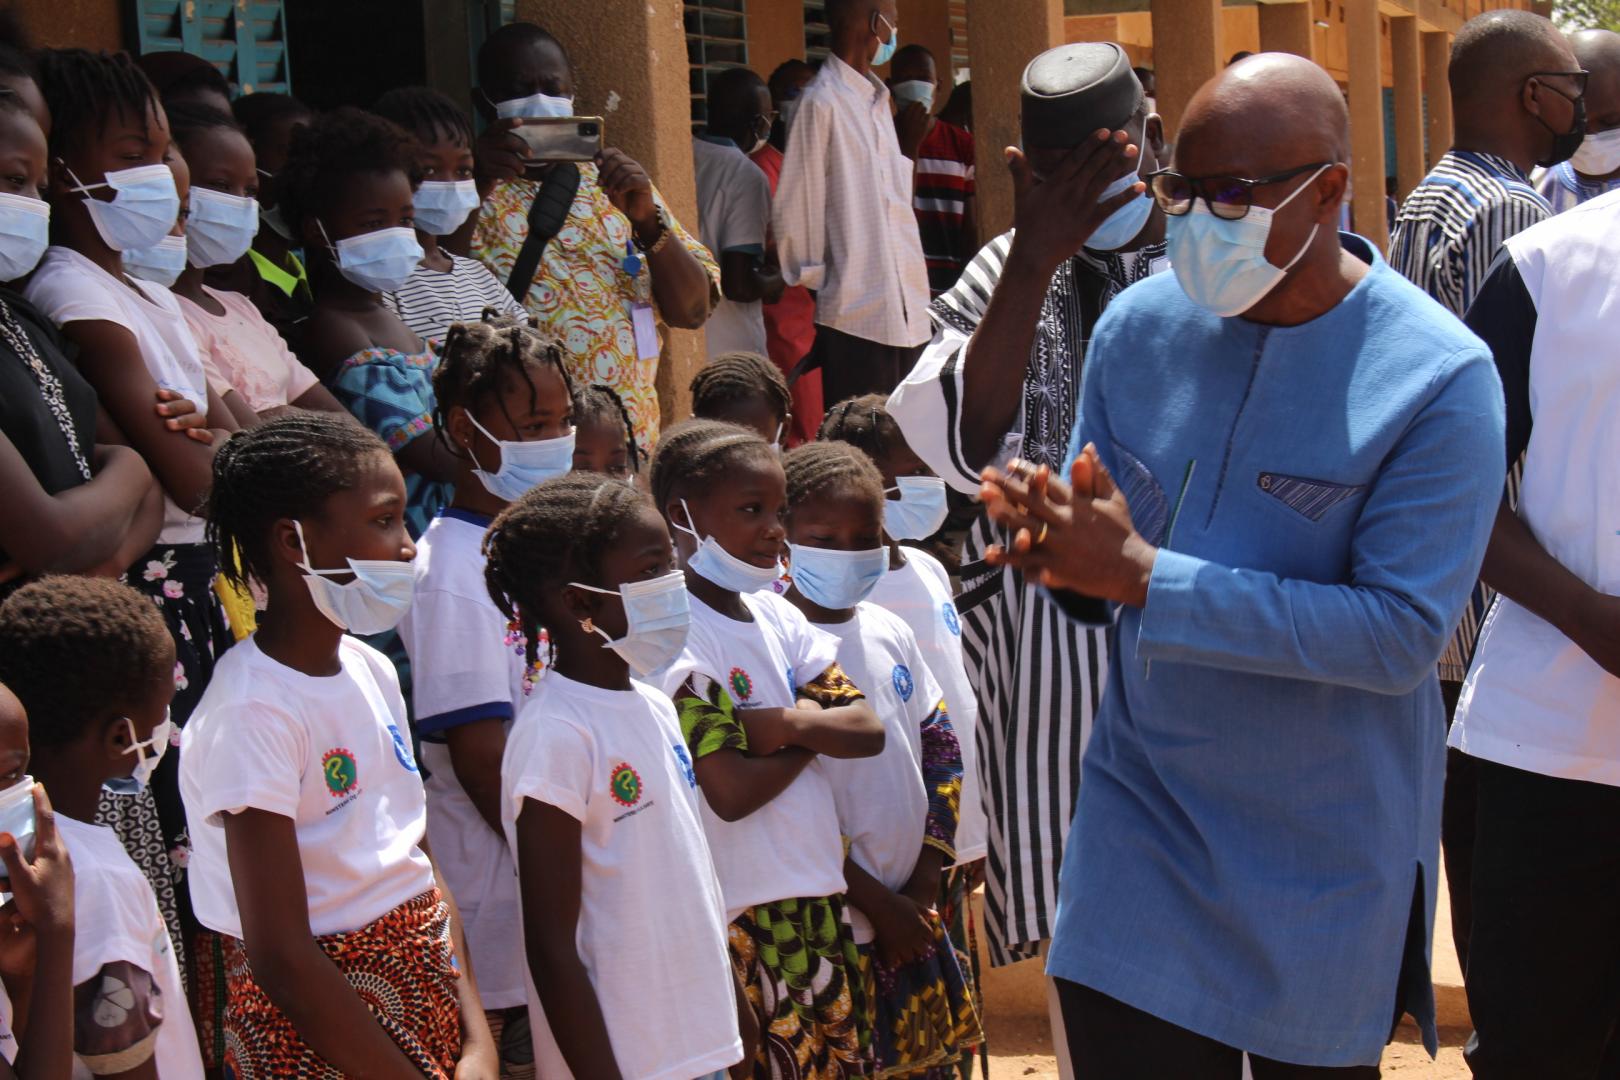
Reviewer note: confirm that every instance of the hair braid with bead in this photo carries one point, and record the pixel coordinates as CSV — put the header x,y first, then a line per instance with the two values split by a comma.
x,y
863,422
476,354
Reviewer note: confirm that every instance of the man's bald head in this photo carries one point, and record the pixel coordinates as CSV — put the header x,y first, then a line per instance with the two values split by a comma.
x,y
1264,115
1495,52
1598,51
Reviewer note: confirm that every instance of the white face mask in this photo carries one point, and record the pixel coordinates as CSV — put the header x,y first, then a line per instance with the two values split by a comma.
x,y
714,563
535,105
1221,264
17,815
919,511
144,208
658,614
837,580
442,206
25,233
147,755
381,261
913,90
1599,154
374,601
524,465
220,228
161,264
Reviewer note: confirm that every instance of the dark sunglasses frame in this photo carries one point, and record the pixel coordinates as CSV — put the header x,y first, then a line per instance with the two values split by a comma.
x,y
1238,193
1581,78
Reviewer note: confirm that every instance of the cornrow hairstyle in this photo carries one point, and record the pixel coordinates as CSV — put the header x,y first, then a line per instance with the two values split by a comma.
x,y
257,112
598,402
819,467
84,90
863,422
333,147
189,119
285,468
738,377
476,354
70,647
556,533
429,114
696,453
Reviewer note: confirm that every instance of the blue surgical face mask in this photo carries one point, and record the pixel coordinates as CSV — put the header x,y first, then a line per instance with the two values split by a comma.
x,y
524,465
913,90
161,264
1221,265
144,208
535,105
25,233
17,815
374,601
1124,224
919,511
836,580
381,261
658,614
220,227
714,563
147,755
442,206
885,49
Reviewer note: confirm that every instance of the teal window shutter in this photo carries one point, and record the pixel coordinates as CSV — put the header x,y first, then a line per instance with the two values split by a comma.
x,y
245,39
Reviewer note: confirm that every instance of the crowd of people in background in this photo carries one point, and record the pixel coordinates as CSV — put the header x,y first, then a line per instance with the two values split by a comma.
x,y
385,690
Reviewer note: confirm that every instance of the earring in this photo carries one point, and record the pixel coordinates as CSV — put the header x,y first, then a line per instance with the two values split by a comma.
x,y
588,626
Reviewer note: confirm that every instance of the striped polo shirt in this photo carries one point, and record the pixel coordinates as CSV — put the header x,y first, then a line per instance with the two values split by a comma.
x,y
944,183
430,300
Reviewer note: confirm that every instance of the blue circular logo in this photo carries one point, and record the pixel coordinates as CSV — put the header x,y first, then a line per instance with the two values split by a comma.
x,y
952,623
902,682
402,749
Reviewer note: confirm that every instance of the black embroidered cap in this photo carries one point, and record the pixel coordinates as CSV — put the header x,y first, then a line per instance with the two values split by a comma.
x,y
1072,90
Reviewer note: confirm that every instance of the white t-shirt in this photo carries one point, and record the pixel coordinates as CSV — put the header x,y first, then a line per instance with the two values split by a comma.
x,y
431,300
920,593
734,210
790,847
70,288
329,752
652,928
882,801
116,919
462,670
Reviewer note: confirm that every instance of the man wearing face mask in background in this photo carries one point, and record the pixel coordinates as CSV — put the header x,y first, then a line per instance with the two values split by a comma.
x,y
842,219
734,210
1010,338
1595,166
787,83
1284,493
944,182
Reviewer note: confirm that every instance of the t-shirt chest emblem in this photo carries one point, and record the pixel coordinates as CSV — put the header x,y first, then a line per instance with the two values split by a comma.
x,y
624,785
341,771
742,687
903,684
952,623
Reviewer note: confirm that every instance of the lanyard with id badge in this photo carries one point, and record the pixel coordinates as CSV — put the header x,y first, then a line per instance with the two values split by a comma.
x,y
641,312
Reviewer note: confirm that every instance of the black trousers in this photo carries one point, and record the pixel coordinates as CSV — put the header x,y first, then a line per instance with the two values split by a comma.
x,y
1544,957
1457,832
1110,1040
852,366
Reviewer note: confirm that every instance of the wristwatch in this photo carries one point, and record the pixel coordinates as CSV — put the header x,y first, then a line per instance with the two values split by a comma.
x,y
659,240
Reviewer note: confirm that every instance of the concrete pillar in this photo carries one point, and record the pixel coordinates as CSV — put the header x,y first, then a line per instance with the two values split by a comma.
x,y
1406,45
775,34
1436,60
1289,28
1186,53
926,23
1366,120
630,68
1002,39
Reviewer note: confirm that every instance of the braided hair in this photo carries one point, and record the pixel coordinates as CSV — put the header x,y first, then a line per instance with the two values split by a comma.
x,y
427,113
70,645
476,354
738,377
84,90
257,113
863,422
286,468
819,467
333,147
554,534
188,120
602,403
695,454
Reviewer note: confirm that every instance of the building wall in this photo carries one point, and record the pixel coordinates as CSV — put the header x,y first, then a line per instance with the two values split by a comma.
x,y
775,34
92,24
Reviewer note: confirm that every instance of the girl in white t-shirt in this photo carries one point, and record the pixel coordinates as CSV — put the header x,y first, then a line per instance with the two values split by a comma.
x,y
623,922
504,403
306,806
899,809
761,699
92,661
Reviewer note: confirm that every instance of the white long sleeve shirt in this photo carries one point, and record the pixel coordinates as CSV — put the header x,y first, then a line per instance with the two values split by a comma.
x,y
842,217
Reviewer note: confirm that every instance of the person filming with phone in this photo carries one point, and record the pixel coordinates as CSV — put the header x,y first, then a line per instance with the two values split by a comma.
x,y
627,266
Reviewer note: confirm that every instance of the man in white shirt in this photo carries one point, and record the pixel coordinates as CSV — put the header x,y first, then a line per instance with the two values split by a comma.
x,y
843,220
734,210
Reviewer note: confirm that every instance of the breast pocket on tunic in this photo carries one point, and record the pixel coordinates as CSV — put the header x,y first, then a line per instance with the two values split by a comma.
x,y
1150,509
1309,498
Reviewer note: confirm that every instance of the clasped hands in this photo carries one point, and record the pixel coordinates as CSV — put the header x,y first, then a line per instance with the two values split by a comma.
x,y
1076,536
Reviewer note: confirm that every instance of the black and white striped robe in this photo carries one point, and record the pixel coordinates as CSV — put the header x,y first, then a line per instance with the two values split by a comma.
x,y
1039,675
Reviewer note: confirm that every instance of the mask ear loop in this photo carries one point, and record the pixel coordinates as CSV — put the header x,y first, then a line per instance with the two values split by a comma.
x,y
588,625
319,224
1300,254
690,529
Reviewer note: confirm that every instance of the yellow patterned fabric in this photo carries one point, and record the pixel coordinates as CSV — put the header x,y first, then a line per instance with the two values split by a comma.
x,y
831,689
925,1022
582,291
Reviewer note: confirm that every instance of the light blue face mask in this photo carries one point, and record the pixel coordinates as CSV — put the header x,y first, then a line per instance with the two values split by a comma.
x,y
919,511
714,563
524,465
657,617
1123,225
377,598
147,755
913,90
442,206
161,264
535,105
25,233
144,207
836,580
885,49
220,227
380,261
17,815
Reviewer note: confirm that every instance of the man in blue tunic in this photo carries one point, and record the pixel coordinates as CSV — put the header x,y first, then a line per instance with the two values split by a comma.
x,y
1292,459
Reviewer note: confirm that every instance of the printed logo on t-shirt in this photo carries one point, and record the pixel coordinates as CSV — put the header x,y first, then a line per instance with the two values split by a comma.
x,y
902,682
686,764
952,623
402,749
742,687
341,771
625,785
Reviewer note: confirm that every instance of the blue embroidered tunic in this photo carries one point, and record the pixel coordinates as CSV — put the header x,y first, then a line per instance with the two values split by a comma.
x,y
1259,813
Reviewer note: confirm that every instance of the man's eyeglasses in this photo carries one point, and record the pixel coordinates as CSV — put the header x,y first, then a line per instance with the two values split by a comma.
x,y
1227,197
1578,77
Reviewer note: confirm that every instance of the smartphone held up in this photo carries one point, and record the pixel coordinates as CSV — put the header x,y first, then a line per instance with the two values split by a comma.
x,y
560,138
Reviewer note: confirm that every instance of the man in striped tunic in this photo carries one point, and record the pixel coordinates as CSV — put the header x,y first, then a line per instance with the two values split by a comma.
x,y
1001,378
1516,99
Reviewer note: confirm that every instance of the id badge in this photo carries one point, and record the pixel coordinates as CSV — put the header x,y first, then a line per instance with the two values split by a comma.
x,y
646,328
